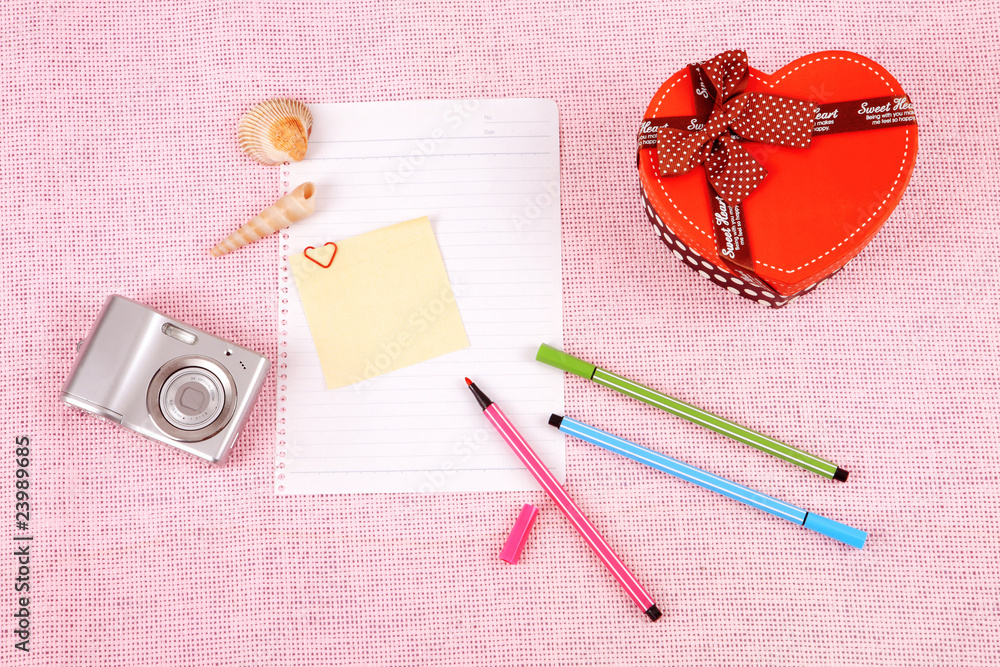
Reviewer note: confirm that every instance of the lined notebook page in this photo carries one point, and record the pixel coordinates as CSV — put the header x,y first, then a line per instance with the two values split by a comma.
x,y
486,173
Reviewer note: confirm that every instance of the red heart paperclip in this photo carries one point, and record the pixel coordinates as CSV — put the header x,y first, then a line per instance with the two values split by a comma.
x,y
313,259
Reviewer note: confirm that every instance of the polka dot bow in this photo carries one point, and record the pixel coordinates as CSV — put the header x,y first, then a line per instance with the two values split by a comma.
x,y
736,116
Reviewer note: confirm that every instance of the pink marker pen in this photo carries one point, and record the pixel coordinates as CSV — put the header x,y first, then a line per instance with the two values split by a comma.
x,y
583,526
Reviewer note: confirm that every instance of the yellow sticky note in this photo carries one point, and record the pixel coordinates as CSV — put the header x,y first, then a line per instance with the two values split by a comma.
x,y
384,302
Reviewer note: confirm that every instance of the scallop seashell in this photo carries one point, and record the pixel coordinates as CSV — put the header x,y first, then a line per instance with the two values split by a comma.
x,y
276,131
298,204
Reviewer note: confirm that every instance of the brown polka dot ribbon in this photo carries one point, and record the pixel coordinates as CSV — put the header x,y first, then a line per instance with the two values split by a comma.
x,y
735,116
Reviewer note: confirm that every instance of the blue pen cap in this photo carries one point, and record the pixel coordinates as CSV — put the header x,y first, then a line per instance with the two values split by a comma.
x,y
838,531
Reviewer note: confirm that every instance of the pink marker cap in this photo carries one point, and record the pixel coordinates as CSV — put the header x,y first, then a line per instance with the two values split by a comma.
x,y
519,535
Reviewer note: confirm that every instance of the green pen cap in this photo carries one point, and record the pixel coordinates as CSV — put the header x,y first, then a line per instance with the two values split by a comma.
x,y
565,362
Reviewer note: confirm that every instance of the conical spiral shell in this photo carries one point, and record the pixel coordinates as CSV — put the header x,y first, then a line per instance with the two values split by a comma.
x,y
298,204
276,131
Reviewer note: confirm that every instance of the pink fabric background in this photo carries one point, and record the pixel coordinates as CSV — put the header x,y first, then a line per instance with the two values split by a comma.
x,y
120,170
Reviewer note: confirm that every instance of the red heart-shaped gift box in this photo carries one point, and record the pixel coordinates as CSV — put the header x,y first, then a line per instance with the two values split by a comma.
x,y
818,206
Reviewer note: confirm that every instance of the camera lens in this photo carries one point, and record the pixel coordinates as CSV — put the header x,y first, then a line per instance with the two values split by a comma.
x,y
191,398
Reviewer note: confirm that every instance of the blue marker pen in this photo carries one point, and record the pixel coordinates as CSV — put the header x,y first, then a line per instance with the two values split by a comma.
x,y
838,531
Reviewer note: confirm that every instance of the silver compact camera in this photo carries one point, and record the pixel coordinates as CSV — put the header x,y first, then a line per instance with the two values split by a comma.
x,y
165,380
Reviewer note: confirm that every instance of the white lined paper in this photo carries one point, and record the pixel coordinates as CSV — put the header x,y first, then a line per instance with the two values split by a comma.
x,y
486,173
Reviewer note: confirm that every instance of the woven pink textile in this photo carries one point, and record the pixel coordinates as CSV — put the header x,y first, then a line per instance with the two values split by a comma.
x,y
120,170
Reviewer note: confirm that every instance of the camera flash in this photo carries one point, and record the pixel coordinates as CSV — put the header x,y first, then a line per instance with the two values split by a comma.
x,y
179,334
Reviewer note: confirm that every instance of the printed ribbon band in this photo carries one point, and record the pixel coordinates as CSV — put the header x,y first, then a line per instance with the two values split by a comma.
x,y
735,115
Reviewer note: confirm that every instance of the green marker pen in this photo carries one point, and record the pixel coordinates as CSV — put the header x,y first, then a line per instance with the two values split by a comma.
x,y
570,364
